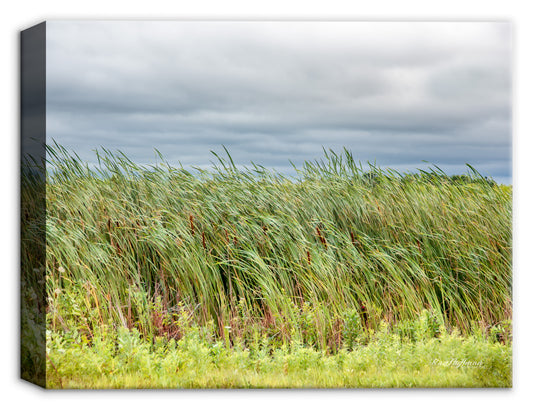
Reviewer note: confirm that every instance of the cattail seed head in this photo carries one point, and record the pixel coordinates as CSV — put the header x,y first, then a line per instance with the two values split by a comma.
x,y
322,239
191,220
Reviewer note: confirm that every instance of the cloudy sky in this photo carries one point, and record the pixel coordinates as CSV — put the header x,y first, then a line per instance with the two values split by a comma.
x,y
393,93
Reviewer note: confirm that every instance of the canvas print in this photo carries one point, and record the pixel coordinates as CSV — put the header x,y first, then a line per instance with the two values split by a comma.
x,y
266,204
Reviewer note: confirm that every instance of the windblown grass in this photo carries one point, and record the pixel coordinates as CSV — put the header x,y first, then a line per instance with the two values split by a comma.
x,y
320,260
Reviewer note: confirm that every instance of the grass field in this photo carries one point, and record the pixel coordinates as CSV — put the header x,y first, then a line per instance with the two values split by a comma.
x,y
123,360
340,277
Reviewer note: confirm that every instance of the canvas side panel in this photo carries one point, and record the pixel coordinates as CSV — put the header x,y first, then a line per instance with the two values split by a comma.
x,y
33,204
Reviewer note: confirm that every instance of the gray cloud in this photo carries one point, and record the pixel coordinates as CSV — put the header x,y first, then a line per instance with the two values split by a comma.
x,y
394,93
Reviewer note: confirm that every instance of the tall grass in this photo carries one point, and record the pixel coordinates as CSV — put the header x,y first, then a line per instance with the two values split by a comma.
x,y
253,253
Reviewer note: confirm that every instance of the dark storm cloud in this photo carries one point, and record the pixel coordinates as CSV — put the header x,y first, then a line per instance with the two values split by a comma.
x,y
394,93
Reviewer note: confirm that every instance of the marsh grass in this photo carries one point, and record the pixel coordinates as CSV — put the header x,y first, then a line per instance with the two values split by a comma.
x,y
321,259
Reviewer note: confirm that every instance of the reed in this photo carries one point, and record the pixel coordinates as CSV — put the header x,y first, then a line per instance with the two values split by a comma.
x,y
254,253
